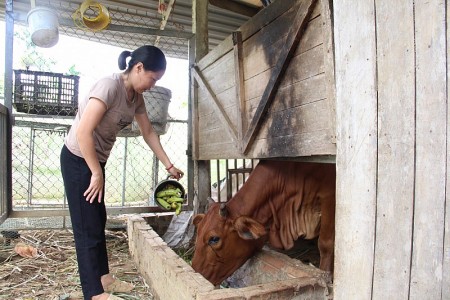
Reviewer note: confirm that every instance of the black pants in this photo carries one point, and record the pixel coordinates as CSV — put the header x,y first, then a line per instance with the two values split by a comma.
x,y
88,223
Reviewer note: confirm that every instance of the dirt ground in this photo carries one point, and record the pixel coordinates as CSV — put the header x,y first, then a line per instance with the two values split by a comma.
x,y
53,273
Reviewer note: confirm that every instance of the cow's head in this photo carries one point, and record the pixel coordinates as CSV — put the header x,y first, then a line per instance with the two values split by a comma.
x,y
224,242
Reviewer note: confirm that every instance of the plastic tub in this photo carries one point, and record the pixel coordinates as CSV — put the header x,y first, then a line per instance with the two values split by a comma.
x,y
43,24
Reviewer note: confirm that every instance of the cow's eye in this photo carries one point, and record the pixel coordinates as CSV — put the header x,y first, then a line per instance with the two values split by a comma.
x,y
213,240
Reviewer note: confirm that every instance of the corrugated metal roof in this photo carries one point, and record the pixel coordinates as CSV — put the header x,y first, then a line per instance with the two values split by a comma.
x,y
127,15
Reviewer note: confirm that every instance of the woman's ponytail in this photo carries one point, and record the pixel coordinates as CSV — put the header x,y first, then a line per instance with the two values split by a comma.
x,y
123,59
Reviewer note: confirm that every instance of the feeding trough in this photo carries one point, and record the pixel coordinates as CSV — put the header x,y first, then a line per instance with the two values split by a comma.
x,y
273,275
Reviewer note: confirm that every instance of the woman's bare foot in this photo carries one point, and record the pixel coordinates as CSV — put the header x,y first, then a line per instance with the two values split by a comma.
x,y
103,296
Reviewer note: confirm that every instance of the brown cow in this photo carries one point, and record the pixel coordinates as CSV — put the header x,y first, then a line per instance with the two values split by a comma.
x,y
289,199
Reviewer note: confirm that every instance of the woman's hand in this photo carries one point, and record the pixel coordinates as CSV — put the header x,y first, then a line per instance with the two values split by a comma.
x,y
175,173
95,188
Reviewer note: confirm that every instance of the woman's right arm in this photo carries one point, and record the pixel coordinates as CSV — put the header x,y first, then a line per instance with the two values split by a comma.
x,y
92,115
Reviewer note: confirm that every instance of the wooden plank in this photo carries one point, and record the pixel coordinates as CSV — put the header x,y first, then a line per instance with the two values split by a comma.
x,y
328,58
299,23
356,159
302,67
205,107
302,144
396,119
214,135
446,267
261,19
287,122
221,114
262,50
239,80
300,93
305,144
303,118
431,106
220,75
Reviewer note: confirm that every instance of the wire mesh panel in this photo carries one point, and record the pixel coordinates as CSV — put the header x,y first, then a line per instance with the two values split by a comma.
x,y
48,87
132,170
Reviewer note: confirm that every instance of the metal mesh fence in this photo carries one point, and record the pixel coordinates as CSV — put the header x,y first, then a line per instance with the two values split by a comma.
x,y
41,122
132,170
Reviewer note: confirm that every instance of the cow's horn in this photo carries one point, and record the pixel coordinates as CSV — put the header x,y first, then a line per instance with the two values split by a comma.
x,y
223,210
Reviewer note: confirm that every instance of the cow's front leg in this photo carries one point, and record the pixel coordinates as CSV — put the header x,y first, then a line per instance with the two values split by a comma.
x,y
326,234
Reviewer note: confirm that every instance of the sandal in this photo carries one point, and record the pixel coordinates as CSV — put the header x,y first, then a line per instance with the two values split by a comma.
x,y
119,286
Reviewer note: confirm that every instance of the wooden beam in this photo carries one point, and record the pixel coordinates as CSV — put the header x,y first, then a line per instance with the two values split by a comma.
x,y
241,9
221,113
202,171
165,17
299,23
356,162
430,160
395,171
240,90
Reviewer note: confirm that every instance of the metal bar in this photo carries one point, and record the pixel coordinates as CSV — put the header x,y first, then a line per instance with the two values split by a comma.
x,y
9,42
20,17
5,199
189,151
30,167
65,212
218,180
155,171
124,175
235,177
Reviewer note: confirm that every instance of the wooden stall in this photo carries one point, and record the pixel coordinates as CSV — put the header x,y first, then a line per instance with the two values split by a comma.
x,y
368,82
268,89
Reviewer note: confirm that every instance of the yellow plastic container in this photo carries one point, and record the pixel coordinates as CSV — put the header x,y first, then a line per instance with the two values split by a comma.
x,y
98,20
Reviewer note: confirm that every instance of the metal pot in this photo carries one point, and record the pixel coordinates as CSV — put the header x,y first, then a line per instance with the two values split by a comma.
x,y
162,186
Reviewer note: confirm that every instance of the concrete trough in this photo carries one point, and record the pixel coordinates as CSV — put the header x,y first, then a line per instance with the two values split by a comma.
x,y
268,275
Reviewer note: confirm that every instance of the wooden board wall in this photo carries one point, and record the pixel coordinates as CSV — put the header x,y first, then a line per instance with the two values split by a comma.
x,y
392,120
300,119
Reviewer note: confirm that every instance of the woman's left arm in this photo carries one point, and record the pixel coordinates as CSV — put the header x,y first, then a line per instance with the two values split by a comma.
x,y
153,141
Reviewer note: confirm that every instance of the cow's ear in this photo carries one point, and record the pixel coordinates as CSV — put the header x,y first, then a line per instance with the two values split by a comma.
x,y
210,203
249,229
197,219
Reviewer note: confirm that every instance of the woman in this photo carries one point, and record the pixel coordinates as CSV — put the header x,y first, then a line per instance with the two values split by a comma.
x,y
111,105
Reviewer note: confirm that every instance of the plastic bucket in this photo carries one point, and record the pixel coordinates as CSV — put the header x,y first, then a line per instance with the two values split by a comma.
x,y
43,24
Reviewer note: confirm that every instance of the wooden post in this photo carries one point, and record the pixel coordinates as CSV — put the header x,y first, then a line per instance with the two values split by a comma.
x,y
356,159
446,266
202,172
396,117
431,152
